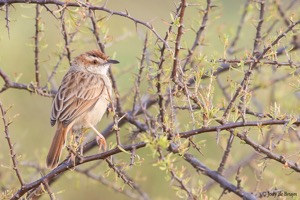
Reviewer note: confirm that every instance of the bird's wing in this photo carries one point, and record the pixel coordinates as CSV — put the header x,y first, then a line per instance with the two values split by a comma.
x,y
78,93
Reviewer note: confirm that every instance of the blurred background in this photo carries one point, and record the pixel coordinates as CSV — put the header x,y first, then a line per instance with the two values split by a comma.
x,y
31,132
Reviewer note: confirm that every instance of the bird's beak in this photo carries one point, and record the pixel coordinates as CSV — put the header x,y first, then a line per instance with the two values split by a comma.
x,y
113,62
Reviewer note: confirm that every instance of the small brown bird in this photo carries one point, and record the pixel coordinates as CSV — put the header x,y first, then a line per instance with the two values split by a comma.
x,y
81,100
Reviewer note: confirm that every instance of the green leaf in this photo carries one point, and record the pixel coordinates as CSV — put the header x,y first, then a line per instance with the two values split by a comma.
x,y
123,150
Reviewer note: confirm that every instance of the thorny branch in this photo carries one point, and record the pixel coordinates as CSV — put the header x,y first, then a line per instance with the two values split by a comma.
x,y
256,61
232,45
36,42
161,72
139,75
65,35
68,164
127,180
95,30
183,6
181,182
91,7
107,183
30,87
10,145
244,86
7,19
199,34
217,177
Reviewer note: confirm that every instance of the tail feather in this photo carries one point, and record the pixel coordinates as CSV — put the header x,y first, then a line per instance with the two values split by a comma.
x,y
57,145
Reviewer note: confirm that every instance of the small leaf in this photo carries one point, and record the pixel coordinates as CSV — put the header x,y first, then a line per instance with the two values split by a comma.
x,y
123,150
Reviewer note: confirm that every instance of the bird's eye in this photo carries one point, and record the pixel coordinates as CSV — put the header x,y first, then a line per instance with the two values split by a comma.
x,y
95,62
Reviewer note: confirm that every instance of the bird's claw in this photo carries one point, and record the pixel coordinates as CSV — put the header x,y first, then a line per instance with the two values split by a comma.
x,y
101,142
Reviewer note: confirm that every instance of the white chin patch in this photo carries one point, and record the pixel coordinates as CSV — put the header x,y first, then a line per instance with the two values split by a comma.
x,y
99,70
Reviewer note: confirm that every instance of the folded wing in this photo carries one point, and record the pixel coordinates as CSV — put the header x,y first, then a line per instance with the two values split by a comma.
x,y
77,94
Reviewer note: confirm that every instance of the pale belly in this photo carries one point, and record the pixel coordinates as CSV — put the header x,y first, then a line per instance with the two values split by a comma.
x,y
93,116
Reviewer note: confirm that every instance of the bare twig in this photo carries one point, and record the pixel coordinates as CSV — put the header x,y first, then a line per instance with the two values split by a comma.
x,y
226,152
91,7
30,88
95,30
262,62
232,169
198,34
36,43
7,19
132,157
47,187
139,75
239,28
60,58
160,73
257,39
243,88
52,12
177,42
249,72
282,13
116,125
54,70
127,180
69,164
233,125
268,153
224,183
107,183
65,35
10,145
238,179
181,182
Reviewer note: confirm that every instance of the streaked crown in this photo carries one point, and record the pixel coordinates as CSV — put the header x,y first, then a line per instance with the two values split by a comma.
x,y
91,58
93,61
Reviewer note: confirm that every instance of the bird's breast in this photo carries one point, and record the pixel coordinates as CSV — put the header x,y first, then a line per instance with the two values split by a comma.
x,y
95,114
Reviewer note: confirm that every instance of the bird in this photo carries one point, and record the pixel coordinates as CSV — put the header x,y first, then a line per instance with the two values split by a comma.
x,y
81,100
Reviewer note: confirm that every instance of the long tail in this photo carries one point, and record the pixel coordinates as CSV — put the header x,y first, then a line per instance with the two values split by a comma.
x,y
58,143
